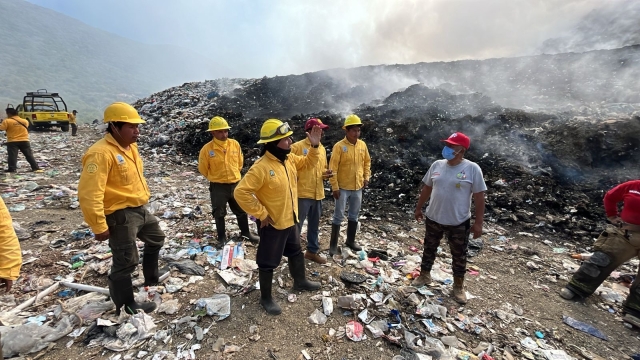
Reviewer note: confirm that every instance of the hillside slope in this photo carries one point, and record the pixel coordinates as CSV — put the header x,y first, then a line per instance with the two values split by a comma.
x,y
40,48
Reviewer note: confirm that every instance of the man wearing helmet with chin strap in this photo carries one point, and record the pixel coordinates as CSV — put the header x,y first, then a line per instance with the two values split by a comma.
x,y
269,192
449,185
112,194
220,161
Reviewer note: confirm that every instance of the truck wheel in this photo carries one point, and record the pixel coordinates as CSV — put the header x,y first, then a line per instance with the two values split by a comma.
x,y
64,128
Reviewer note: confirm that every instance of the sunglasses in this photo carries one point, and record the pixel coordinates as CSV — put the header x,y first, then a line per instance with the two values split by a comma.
x,y
280,130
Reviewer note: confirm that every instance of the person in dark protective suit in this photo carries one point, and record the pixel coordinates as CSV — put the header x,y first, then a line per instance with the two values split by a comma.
x,y
617,244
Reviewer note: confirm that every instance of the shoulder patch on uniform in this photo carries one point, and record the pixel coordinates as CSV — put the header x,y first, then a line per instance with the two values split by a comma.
x,y
305,151
344,149
272,173
120,159
92,168
212,153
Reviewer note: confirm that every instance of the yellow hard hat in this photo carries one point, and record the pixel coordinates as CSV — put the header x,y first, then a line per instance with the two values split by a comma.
x,y
218,123
274,129
122,112
352,119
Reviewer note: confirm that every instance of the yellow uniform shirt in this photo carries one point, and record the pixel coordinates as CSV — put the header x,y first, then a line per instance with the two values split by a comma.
x,y
16,128
10,253
310,182
351,165
112,179
221,161
271,188
72,118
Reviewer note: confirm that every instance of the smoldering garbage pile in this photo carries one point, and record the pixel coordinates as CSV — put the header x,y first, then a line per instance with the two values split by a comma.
x,y
546,171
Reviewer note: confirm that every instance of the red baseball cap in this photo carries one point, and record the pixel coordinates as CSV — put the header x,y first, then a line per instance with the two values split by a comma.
x,y
314,122
458,138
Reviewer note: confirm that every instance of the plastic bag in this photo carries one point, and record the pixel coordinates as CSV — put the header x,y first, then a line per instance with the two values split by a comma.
x,y
219,304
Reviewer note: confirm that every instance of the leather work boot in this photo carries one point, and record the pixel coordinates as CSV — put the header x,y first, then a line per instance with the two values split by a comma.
x,y
628,318
267,302
567,294
333,245
314,257
222,233
352,227
422,280
150,269
459,294
243,224
121,292
297,270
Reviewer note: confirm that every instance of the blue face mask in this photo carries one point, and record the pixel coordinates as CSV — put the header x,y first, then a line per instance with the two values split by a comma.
x,y
448,153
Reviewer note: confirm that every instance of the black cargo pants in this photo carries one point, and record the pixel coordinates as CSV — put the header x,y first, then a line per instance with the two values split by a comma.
x,y
221,194
458,237
613,248
25,148
276,243
125,226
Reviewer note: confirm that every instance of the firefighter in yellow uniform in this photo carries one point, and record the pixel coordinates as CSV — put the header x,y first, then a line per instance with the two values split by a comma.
x,y
17,130
351,166
269,192
10,253
311,191
220,161
72,122
112,194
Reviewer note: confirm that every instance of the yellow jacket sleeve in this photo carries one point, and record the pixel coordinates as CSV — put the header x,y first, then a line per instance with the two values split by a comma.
x,y
203,162
367,163
3,125
91,189
10,253
302,162
244,193
334,165
240,158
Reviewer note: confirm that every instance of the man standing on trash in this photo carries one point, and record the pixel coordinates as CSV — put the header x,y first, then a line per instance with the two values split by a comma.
x,y
269,192
351,166
17,130
112,194
311,191
72,122
220,161
449,185
617,244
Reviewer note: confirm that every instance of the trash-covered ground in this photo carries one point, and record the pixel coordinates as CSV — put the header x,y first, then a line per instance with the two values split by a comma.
x,y
546,168
206,312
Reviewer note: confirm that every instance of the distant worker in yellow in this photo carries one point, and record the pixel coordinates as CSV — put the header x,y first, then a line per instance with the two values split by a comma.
x,y
10,253
72,122
311,191
112,194
17,130
221,161
269,192
351,166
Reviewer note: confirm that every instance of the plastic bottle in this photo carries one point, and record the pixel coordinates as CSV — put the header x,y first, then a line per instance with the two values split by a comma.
x,y
583,256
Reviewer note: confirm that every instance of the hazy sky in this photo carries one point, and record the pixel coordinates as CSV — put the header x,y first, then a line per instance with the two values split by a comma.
x,y
254,38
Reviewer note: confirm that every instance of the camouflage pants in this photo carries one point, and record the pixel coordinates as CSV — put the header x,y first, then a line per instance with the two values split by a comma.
x,y
613,248
458,237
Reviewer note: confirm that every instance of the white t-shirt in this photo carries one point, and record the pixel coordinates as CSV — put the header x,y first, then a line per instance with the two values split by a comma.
x,y
450,202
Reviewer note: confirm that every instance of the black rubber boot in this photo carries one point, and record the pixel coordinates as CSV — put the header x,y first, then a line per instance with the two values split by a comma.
x,y
297,270
352,227
150,269
222,233
333,245
267,302
243,224
121,292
